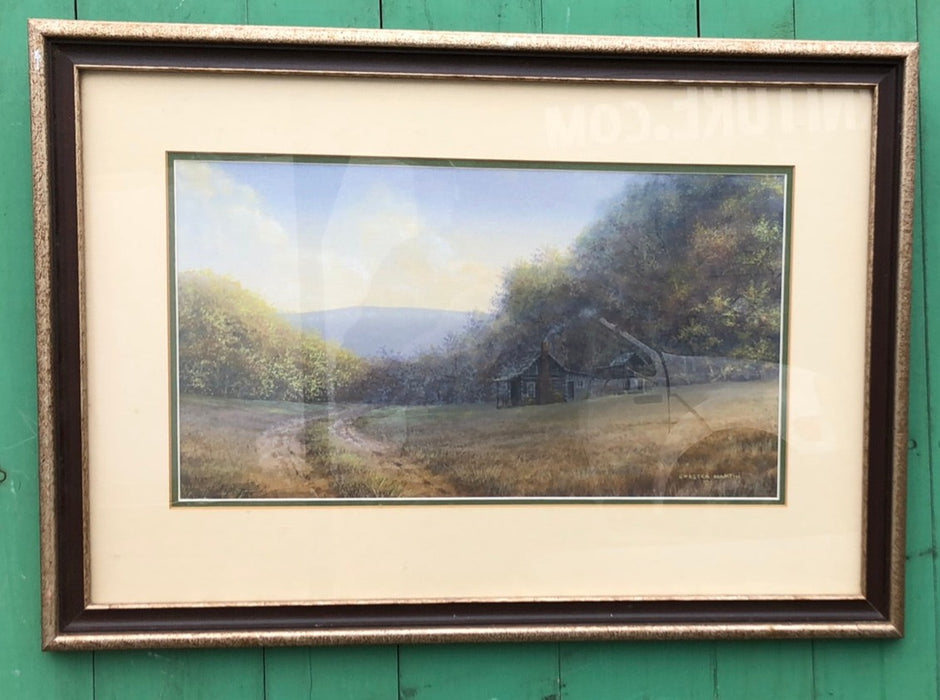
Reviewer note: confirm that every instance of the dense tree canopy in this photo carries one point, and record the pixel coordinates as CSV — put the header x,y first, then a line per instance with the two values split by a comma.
x,y
690,263
232,343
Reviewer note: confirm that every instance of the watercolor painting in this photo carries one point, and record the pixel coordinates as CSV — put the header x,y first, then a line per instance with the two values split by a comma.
x,y
364,330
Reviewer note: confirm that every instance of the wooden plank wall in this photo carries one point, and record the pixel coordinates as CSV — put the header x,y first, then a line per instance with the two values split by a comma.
x,y
792,669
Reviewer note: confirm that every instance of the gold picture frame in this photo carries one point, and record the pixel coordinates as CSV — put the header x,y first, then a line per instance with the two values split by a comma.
x,y
123,565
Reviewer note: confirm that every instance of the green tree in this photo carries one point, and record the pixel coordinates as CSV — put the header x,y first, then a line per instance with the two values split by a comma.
x,y
232,343
690,263
538,292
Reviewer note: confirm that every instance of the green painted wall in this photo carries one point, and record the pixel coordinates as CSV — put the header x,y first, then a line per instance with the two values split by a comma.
x,y
906,669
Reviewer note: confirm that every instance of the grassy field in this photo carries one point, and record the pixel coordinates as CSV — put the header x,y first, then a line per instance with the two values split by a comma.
x,y
235,449
219,448
716,440
350,474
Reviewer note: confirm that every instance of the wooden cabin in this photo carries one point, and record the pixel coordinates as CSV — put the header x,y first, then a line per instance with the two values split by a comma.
x,y
628,373
541,379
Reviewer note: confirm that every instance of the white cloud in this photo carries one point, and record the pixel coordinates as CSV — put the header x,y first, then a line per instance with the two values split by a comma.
x,y
367,242
379,251
222,225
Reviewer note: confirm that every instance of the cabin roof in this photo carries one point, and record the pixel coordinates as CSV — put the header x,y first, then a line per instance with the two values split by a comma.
x,y
511,371
516,369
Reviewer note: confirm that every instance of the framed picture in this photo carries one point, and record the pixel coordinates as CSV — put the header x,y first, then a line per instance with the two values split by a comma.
x,y
355,336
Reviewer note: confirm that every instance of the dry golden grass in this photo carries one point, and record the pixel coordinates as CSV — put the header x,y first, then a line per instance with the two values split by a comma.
x,y
727,463
237,449
708,441
611,446
219,447
350,475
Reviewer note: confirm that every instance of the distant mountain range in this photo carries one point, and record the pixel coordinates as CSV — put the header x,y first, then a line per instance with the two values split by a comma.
x,y
370,331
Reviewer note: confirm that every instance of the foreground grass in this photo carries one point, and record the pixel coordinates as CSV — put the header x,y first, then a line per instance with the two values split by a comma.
x,y
717,440
218,446
350,475
237,449
709,441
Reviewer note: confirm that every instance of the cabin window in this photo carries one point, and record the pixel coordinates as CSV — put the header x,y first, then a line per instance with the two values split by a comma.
x,y
530,388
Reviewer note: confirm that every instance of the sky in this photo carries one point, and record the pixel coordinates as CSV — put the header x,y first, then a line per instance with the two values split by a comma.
x,y
310,236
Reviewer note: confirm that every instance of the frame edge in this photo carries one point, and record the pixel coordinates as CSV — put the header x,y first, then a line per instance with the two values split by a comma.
x,y
442,40
907,194
55,634
38,71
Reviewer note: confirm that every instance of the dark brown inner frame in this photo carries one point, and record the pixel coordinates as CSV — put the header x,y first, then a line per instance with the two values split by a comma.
x,y
64,54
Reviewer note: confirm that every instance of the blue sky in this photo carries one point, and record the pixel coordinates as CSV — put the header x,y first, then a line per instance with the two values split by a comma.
x,y
310,236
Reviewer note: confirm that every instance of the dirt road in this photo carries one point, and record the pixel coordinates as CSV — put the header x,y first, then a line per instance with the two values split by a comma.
x,y
415,479
282,456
